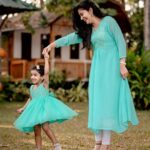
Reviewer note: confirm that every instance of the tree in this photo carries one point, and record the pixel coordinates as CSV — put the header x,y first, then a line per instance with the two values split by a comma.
x,y
136,15
63,7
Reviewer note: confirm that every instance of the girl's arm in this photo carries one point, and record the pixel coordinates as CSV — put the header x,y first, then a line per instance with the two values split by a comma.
x,y
72,38
46,71
20,110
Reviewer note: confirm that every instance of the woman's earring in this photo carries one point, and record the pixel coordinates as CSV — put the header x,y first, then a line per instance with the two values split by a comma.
x,y
91,12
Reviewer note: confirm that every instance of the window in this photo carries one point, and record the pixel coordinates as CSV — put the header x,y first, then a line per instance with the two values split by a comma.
x,y
45,39
57,50
26,45
74,51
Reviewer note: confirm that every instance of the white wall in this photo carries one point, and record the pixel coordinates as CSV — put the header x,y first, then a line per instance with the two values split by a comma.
x,y
65,53
35,45
17,44
82,54
36,42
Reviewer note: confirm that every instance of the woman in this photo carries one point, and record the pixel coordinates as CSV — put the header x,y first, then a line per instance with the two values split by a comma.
x,y
110,102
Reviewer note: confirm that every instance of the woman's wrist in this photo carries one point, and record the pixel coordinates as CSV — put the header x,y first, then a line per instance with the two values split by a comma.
x,y
46,57
52,45
123,61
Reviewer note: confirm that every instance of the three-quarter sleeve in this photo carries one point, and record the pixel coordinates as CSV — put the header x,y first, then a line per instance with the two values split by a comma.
x,y
72,38
117,34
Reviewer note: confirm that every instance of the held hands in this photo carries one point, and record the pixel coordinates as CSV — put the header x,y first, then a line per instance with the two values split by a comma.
x,y
20,110
46,55
48,48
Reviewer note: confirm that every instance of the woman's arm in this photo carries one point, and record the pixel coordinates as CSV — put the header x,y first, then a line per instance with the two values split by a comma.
x,y
72,38
118,37
46,70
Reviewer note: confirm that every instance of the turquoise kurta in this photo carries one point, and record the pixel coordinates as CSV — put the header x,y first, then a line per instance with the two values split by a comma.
x,y
44,107
110,102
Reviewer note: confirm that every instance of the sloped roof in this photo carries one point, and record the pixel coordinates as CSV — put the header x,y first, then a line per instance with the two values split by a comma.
x,y
16,23
13,6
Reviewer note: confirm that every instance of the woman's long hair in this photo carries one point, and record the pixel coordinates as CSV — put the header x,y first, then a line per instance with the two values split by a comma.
x,y
85,30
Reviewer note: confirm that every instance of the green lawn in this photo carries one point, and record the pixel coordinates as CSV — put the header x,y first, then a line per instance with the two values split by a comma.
x,y
73,135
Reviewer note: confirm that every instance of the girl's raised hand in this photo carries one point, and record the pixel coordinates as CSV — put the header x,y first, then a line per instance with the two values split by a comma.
x,y
46,55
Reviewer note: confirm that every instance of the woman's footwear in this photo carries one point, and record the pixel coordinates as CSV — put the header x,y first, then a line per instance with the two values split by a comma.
x,y
105,147
97,146
57,146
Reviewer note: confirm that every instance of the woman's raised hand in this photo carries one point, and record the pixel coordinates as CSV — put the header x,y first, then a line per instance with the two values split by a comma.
x,y
48,48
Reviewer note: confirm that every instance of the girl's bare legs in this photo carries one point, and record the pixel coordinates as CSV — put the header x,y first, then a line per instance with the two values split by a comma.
x,y
51,136
38,137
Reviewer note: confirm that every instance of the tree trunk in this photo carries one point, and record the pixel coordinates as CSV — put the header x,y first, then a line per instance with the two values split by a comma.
x,y
123,3
41,3
147,25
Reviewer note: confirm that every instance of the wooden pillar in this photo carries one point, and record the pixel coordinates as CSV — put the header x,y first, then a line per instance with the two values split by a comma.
x,y
52,58
147,25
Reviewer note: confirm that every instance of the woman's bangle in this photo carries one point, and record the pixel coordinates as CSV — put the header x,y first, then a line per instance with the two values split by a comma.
x,y
121,62
46,57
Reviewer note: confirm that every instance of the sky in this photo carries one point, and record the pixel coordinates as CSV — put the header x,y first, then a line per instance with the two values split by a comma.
x,y
37,2
127,7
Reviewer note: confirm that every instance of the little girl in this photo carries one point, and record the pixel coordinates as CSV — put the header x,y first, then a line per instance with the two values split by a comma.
x,y
42,108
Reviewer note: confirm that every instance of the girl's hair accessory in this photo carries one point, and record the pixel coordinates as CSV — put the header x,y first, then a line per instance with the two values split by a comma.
x,y
37,67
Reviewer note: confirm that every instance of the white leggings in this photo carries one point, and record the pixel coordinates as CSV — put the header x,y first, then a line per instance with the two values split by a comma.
x,y
103,136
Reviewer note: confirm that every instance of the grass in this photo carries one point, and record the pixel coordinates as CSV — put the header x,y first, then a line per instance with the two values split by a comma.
x,y
73,135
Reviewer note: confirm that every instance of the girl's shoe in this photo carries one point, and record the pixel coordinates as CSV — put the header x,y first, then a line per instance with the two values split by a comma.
x,y
57,146
97,146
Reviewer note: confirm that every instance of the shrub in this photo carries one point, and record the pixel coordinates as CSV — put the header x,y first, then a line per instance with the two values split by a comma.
x,y
57,79
13,91
75,94
139,78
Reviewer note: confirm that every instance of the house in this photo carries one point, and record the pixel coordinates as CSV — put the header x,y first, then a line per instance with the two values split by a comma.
x,y
24,48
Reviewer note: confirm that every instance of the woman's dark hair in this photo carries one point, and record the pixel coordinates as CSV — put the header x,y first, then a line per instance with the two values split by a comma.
x,y
85,30
39,69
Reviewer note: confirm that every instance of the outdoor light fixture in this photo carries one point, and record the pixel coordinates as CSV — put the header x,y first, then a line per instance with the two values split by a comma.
x,y
3,54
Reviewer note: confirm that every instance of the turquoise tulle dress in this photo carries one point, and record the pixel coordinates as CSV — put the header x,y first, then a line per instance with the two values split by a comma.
x,y
43,107
110,102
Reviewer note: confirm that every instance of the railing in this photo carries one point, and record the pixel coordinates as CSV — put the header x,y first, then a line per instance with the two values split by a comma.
x,y
18,69
74,68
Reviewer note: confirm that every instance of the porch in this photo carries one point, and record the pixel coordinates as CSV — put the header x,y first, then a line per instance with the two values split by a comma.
x,y
20,69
